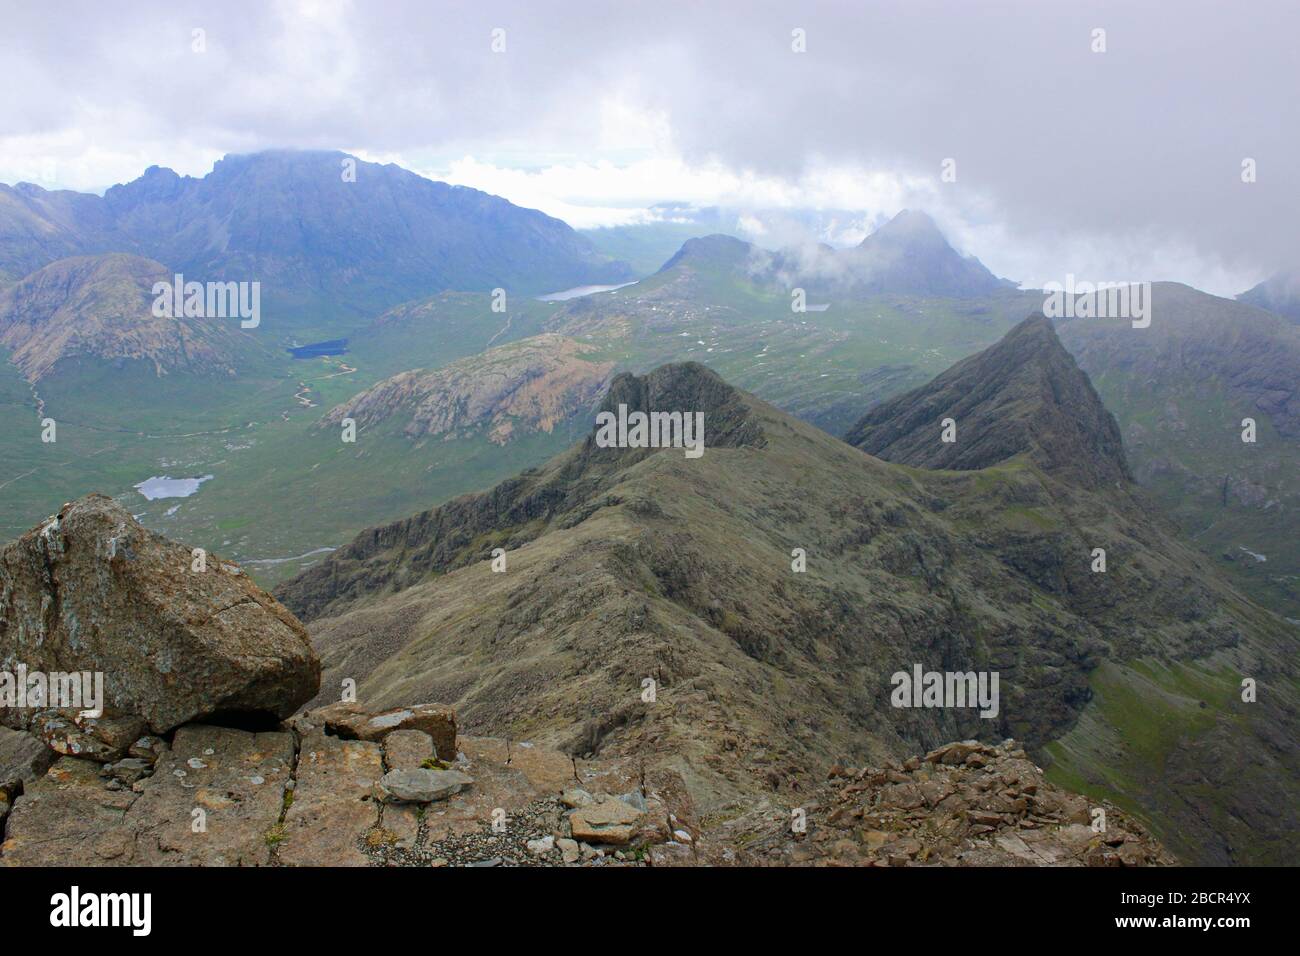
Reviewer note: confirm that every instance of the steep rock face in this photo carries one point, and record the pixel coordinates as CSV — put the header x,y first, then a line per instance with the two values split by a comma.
x,y
38,226
101,307
622,565
91,590
531,385
1253,355
1025,395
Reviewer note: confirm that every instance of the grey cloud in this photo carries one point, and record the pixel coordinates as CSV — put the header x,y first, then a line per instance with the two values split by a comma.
x,y
1144,140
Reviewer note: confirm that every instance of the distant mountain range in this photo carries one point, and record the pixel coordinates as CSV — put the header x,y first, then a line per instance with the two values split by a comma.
x,y
625,563
906,256
899,308
332,239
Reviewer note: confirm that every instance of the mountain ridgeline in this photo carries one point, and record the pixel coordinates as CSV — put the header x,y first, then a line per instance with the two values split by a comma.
x,y
773,586
331,238
1023,395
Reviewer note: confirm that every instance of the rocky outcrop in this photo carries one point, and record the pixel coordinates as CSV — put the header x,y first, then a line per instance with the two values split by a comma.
x,y
964,804
101,307
90,590
434,722
532,385
299,795
1024,395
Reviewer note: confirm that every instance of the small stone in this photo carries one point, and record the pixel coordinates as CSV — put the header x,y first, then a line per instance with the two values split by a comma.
x,y
634,799
420,785
128,770
541,847
569,849
147,748
576,797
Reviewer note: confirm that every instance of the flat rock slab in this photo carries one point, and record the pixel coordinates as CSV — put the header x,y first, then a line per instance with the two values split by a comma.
x,y
90,590
333,809
420,785
68,817
236,778
548,770
610,821
498,785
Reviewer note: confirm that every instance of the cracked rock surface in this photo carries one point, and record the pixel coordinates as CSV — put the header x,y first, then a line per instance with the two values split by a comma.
x,y
90,590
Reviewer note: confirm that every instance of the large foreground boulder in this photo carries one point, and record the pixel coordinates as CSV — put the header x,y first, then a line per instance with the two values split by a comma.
x,y
90,590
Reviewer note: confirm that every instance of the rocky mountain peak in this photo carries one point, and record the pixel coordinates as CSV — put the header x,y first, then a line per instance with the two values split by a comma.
x,y
713,250
911,226
687,388
1023,395
910,255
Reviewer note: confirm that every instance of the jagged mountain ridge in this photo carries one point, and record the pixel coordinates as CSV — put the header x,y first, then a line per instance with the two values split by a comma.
x,y
1025,395
624,564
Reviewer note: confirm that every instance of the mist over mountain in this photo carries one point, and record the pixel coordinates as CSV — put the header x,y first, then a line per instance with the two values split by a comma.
x,y
1279,293
908,255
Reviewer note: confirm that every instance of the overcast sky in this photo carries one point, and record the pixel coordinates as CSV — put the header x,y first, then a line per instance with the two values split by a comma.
x,y
1119,165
